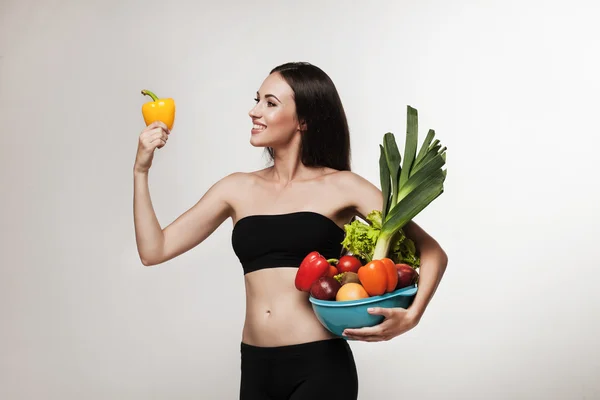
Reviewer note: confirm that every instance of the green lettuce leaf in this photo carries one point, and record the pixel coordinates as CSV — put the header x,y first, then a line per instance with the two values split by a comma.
x,y
361,238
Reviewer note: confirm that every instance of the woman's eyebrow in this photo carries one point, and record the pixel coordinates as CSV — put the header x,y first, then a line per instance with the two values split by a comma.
x,y
269,95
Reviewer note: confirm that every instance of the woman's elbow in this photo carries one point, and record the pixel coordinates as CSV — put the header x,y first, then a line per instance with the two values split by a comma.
x,y
443,258
438,254
146,262
149,261
443,255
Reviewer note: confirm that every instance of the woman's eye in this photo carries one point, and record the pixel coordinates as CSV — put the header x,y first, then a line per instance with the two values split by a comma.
x,y
269,103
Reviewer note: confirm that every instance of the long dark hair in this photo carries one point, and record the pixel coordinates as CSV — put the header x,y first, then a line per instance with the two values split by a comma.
x,y
326,141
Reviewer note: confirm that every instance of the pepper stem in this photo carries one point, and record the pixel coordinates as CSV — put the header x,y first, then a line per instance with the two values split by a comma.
x,y
333,260
149,93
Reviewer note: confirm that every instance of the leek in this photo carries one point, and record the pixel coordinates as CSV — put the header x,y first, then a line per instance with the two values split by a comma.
x,y
408,185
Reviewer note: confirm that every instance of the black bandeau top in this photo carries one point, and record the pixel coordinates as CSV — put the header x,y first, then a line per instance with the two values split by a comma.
x,y
284,240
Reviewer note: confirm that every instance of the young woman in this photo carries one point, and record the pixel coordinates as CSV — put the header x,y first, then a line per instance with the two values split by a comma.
x,y
280,214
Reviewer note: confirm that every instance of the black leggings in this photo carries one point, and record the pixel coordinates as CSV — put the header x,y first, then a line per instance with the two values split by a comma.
x,y
321,370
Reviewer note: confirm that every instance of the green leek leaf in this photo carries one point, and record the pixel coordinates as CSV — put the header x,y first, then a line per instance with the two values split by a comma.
x,y
406,210
410,147
425,172
428,157
393,158
415,186
434,144
415,202
425,145
384,176
431,156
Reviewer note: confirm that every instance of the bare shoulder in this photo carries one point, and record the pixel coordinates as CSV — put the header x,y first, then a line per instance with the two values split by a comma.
x,y
235,180
352,179
360,194
232,179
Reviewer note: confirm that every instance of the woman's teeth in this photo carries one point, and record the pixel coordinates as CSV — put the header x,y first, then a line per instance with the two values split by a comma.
x,y
259,127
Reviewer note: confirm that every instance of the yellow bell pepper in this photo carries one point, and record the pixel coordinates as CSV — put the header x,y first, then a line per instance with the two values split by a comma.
x,y
158,110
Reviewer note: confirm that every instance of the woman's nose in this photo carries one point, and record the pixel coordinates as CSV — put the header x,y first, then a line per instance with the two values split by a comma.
x,y
253,113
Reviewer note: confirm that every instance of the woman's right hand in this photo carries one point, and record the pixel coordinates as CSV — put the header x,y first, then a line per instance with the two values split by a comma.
x,y
152,137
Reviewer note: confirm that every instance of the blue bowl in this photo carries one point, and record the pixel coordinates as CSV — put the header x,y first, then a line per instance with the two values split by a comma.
x,y
339,315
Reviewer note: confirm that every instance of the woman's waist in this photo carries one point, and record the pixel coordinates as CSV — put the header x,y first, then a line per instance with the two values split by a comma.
x,y
279,320
271,285
277,299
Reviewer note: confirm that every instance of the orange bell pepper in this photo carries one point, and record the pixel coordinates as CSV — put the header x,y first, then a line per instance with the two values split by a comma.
x,y
378,276
392,274
158,110
373,277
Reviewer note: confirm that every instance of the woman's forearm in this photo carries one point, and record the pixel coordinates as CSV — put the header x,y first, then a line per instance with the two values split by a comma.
x,y
433,265
148,233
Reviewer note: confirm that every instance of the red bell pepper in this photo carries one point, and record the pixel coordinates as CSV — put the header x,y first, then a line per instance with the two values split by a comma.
x,y
312,268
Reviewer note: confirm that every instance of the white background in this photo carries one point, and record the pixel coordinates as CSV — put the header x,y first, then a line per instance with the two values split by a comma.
x,y
511,87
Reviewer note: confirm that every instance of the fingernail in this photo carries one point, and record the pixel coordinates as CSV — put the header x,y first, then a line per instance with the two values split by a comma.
x,y
370,309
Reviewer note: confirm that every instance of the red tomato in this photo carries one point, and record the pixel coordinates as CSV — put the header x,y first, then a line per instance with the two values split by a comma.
x,y
392,274
348,264
373,277
333,272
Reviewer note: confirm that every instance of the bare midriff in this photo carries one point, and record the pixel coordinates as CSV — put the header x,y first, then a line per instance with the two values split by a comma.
x,y
278,314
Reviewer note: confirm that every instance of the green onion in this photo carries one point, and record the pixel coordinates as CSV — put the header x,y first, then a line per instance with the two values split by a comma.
x,y
408,185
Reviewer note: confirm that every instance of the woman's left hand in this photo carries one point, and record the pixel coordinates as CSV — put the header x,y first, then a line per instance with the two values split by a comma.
x,y
396,322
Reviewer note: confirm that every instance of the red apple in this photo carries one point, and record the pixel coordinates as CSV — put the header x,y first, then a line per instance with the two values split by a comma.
x,y
407,276
325,288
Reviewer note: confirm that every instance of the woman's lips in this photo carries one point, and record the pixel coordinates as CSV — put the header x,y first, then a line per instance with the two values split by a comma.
x,y
257,128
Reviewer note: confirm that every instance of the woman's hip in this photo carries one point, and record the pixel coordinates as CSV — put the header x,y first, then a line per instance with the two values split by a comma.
x,y
282,372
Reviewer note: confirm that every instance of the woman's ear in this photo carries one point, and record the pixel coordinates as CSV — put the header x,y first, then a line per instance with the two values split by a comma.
x,y
302,126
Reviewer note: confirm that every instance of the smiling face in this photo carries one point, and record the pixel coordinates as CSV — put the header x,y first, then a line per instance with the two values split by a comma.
x,y
274,116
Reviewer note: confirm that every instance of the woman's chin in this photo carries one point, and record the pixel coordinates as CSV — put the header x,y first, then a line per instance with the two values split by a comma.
x,y
256,141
